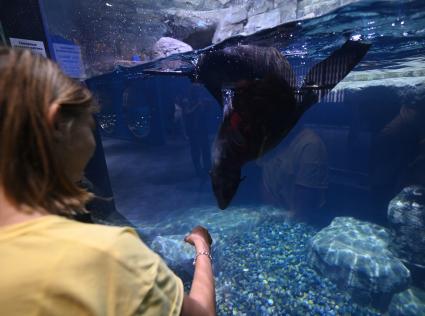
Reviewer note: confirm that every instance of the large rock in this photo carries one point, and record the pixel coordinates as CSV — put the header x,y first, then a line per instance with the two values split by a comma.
x,y
231,24
406,215
262,21
313,8
260,6
173,248
263,14
355,255
176,253
408,303
196,28
166,46
253,17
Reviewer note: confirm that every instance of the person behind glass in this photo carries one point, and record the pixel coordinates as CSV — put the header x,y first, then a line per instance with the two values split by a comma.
x,y
397,154
195,119
296,177
52,265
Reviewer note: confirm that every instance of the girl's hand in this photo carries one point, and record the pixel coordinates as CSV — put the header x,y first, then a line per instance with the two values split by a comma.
x,y
198,236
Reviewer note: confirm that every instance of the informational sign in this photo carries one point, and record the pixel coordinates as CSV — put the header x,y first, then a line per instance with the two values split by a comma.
x,y
68,57
35,46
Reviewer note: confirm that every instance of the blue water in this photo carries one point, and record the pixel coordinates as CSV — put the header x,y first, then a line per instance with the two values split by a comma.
x,y
370,129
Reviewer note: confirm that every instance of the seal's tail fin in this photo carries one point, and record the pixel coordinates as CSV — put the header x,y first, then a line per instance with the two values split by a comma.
x,y
324,76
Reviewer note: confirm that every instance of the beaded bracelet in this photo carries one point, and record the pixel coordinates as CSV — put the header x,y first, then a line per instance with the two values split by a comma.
x,y
199,253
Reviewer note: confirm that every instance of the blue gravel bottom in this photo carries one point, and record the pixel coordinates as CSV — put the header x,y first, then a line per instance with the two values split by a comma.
x,y
264,271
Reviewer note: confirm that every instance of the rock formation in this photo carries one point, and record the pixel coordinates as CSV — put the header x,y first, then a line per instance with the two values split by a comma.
x,y
166,46
176,253
406,215
408,303
355,255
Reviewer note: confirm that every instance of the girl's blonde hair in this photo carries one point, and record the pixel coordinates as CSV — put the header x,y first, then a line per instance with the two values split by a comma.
x,y
31,173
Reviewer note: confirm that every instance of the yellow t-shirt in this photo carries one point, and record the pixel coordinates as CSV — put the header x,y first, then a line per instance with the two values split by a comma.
x,y
55,266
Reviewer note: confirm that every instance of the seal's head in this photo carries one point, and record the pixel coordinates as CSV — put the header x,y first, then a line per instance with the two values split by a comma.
x,y
225,183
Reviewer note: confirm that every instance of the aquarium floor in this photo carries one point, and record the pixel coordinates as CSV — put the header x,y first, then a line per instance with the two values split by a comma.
x,y
153,181
259,254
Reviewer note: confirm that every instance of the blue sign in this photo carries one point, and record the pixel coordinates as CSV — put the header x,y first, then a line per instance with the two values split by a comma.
x,y
68,56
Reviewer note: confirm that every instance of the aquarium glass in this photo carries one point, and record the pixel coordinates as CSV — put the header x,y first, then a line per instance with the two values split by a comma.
x,y
329,216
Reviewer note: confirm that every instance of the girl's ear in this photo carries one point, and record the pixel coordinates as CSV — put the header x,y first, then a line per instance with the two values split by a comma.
x,y
53,120
53,115
60,128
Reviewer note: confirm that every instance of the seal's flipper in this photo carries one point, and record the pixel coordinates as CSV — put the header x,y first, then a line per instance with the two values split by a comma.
x,y
324,76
